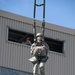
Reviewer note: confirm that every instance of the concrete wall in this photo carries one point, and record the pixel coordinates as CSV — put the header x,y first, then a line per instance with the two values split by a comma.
x,y
15,55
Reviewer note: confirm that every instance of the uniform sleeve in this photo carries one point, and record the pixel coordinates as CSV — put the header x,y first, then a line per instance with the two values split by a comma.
x,y
31,51
47,47
32,46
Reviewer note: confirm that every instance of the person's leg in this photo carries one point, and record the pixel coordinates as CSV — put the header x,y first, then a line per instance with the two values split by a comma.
x,y
35,69
42,68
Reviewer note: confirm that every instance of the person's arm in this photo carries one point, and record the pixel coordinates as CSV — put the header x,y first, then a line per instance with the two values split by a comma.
x,y
45,45
32,48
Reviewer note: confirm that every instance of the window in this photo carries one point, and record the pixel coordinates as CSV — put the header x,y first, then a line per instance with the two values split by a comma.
x,y
55,45
8,71
20,37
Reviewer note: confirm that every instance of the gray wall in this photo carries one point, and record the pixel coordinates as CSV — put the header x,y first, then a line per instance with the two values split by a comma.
x,y
15,55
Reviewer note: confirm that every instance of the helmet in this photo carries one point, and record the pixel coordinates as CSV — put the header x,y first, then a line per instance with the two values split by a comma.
x,y
39,34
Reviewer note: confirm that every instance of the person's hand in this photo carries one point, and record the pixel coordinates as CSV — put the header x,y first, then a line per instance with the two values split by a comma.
x,y
44,46
33,48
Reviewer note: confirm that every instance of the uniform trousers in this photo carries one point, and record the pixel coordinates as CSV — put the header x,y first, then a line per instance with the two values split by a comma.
x,y
41,66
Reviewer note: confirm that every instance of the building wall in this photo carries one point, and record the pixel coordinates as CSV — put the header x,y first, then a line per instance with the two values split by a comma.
x,y
9,71
15,55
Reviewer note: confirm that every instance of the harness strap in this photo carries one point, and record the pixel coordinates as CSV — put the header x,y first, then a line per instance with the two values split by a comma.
x,y
43,24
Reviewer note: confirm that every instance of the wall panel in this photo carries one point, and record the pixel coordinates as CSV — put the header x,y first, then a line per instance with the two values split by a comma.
x,y
15,55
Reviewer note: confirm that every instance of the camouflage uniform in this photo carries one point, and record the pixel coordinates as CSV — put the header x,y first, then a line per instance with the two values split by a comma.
x,y
39,57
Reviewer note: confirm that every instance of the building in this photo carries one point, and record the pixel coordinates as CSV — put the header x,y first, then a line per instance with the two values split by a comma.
x,y
14,53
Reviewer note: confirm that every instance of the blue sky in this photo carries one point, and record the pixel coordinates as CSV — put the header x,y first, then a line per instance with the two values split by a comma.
x,y
59,12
